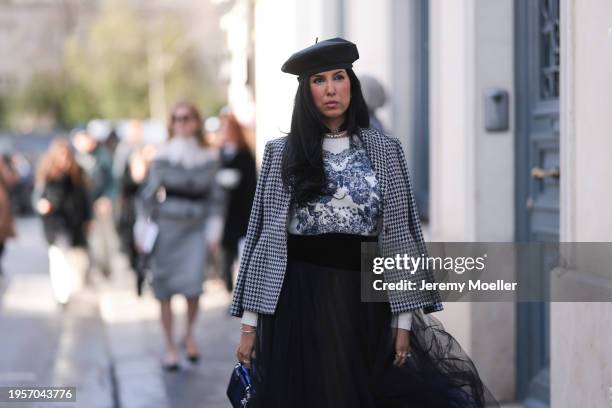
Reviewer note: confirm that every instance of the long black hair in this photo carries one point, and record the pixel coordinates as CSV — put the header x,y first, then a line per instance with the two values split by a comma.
x,y
302,168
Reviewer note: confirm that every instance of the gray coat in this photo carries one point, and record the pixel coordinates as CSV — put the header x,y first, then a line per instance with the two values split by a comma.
x,y
264,257
181,200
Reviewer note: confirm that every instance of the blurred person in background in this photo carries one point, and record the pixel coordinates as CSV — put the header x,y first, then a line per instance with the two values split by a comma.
x,y
112,141
127,189
375,97
131,183
21,193
95,160
213,136
127,145
8,178
182,197
60,197
238,178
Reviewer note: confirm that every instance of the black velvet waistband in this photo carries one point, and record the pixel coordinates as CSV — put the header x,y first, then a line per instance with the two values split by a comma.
x,y
334,250
186,194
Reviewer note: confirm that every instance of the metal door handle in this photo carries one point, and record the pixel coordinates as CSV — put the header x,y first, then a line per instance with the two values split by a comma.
x,y
540,173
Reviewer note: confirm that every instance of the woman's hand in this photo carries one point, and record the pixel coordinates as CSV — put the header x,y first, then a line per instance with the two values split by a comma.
x,y
247,343
402,346
138,167
44,206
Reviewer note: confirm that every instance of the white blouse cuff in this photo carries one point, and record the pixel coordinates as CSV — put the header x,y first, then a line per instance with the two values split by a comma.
x,y
402,320
249,318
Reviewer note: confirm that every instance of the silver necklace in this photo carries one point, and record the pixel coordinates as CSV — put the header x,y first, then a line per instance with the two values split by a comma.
x,y
336,133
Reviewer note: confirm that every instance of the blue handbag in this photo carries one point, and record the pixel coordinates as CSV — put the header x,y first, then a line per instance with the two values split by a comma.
x,y
240,390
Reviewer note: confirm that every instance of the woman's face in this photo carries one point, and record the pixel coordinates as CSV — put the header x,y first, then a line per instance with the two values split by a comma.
x,y
331,93
184,123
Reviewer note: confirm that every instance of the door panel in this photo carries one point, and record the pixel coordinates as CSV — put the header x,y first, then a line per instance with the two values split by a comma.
x,y
537,181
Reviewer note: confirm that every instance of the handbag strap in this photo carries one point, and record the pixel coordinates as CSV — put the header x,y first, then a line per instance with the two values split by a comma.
x,y
245,374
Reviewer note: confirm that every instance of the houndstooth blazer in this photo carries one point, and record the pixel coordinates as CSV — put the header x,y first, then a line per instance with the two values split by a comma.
x,y
264,258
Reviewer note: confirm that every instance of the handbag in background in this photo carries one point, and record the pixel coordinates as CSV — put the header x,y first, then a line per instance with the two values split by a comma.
x,y
145,234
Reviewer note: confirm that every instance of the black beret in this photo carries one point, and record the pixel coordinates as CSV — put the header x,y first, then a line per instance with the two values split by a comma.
x,y
322,56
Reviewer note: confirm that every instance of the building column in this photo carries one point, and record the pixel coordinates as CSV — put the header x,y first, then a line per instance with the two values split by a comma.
x,y
276,38
472,170
581,356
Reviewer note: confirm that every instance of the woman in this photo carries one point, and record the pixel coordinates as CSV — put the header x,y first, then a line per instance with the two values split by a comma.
x,y
330,185
180,194
237,176
60,197
134,175
8,178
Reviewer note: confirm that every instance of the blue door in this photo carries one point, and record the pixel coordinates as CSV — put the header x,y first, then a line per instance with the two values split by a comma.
x,y
420,155
537,181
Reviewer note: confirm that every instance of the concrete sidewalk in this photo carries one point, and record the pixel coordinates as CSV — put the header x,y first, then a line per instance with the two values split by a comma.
x,y
43,344
107,342
135,340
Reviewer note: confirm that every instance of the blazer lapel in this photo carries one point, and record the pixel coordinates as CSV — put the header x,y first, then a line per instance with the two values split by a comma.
x,y
374,146
283,195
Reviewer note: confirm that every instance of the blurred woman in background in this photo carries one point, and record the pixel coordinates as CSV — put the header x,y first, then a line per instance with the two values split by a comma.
x,y
8,178
238,178
132,181
60,197
181,195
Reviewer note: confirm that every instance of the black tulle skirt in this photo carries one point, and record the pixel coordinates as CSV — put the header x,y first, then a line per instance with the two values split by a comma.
x,y
323,347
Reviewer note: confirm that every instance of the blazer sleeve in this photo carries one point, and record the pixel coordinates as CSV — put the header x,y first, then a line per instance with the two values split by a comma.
x,y
414,226
414,223
253,232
